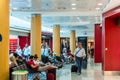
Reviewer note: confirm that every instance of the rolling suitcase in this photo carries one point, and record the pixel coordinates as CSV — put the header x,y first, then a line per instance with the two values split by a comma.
x,y
84,64
74,68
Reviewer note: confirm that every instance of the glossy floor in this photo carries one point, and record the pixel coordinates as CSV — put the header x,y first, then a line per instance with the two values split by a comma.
x,y
93,72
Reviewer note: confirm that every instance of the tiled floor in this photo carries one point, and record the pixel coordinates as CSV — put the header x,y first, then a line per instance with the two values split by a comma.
x,y
93,72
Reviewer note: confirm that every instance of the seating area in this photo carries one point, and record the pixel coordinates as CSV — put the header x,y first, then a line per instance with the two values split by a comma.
x,y
33,74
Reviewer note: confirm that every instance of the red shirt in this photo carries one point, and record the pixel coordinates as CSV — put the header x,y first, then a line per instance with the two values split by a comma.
x,y
69,54
30,62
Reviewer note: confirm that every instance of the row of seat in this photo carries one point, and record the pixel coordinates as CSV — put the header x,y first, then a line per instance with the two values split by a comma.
x,y
32,73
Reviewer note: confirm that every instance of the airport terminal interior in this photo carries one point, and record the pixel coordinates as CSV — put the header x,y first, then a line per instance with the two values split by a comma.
x,y
59,39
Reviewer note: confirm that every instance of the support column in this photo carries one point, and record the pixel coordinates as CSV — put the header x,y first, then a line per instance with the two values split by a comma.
x,y
98,44
4,42
36,35
72,41
56,40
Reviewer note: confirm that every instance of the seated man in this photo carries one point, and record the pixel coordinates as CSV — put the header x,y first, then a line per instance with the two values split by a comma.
x,y
36,61
37,66
51,57
20,60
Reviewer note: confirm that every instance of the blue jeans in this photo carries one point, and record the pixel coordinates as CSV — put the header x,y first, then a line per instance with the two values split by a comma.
x,y
79,63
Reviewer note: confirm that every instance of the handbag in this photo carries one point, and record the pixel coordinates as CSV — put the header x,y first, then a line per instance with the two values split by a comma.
x,y
77,52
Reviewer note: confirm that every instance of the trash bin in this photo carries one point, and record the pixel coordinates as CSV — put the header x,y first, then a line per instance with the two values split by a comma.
x,y
20,75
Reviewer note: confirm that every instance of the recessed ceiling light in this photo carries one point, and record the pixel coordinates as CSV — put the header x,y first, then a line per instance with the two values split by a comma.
x,y
97,8
14,8
73,4
73,8
78,18
100,4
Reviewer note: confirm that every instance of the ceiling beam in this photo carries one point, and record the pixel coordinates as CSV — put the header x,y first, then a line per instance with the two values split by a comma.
x,y
58,12
68,23
111,5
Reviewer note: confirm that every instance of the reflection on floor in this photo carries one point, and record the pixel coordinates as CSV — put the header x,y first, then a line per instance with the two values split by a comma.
x,y
93,72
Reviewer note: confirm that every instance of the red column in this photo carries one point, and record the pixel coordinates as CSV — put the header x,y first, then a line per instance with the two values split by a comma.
x,y
98,44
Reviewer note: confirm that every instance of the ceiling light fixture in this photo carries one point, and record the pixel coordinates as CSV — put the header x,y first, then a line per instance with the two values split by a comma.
x,y
14,8
73,8
100,4
97,8
78,18
73,4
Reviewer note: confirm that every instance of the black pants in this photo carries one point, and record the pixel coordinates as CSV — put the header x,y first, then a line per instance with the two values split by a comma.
x,y
45,59
79,63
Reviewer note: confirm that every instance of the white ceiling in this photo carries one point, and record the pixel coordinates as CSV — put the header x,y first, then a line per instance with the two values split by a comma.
x,y
81,19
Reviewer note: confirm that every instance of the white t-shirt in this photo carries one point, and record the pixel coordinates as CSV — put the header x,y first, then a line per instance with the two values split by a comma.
x,y
80,52
45,51
65,54
37,62
27,51
19,52
10,55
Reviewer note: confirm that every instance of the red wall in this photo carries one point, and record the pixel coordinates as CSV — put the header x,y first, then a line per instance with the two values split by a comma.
x,y
13,43
26,39
98,44
111,42
23,40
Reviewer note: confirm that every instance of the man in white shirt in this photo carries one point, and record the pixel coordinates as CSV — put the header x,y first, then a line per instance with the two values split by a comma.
x,y
27,51
45,53
79,55
19,51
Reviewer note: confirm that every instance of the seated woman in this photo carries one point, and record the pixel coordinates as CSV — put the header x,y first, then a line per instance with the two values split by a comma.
x,y
19,59
71,57
51,57
12,62
66,57
39,67
36,61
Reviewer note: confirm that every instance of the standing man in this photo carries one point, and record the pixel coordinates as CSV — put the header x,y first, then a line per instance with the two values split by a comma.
x,y
19,51
79,55
45,53
26,51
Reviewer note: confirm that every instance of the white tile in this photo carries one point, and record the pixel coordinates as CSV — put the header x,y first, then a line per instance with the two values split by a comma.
x,y
93,72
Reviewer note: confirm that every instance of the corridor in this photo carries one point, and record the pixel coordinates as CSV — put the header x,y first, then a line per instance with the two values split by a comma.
x,y
93,72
